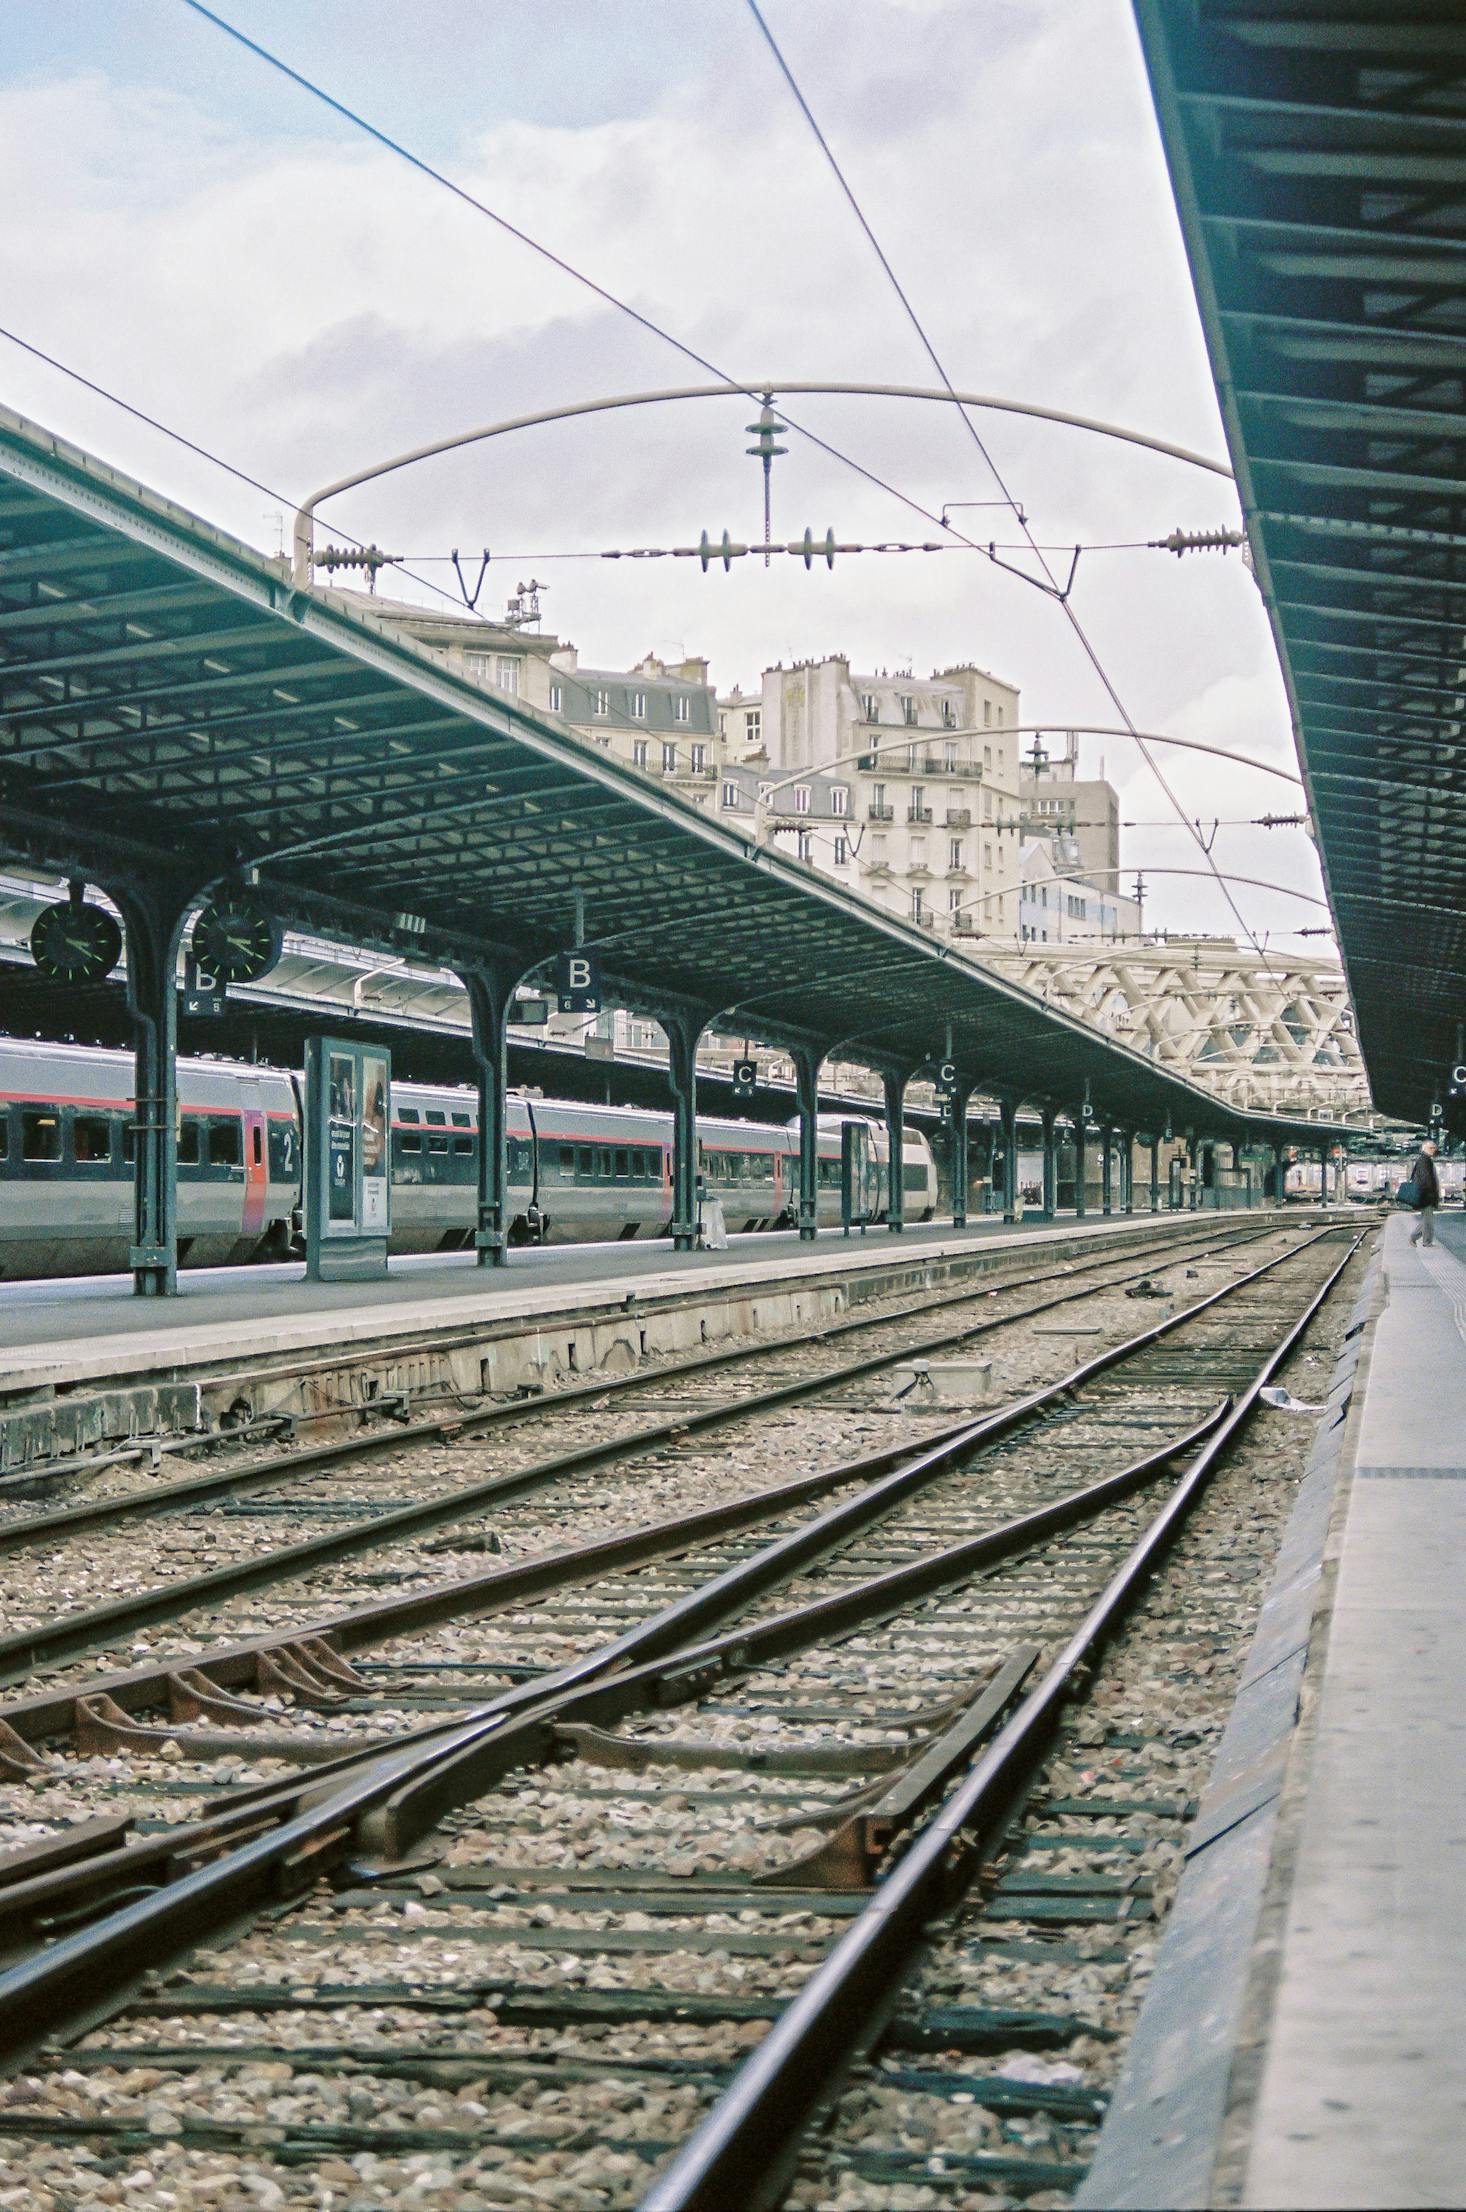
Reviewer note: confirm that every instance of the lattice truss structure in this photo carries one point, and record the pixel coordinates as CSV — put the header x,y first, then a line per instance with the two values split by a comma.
x,y
1276,1034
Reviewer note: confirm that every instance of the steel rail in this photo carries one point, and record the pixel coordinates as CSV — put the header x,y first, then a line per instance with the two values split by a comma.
x,y
254,1474
73,1633
744,2150
610,1694
392,1798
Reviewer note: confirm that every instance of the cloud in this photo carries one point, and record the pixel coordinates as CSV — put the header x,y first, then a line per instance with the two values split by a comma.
x,y
301,301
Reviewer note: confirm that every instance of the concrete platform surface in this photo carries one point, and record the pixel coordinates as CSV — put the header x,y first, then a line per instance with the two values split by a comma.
x,y
1362,2097
87,1328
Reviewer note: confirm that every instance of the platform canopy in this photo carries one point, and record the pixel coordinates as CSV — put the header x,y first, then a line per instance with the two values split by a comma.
x,y
171,708
1318,153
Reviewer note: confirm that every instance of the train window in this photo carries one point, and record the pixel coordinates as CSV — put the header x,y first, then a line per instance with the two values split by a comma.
x,y
40,1135
4,1134
567,1159
188,1141
603,1160
462,1121
257,1145
586,1159
464,1145
435,1142
407,1113
436,1117
129,1143
623,1161
409,1140
913,1175
225,1148
91,1137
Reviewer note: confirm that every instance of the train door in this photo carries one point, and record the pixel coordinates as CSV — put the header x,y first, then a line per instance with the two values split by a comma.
x,y
256,1161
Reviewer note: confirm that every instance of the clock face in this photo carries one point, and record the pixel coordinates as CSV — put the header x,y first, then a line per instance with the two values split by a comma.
x,y
73,942
236,939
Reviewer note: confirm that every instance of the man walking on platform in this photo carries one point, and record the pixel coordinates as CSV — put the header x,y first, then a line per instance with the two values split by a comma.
x,y
1428,1194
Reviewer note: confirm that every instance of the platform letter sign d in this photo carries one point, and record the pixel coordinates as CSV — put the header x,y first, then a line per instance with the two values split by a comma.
x,y
578,982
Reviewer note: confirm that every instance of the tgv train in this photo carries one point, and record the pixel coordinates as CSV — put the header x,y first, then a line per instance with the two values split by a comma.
x,y
577,1174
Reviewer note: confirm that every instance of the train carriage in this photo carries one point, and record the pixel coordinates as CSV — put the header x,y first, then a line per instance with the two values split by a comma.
x,y
577,1173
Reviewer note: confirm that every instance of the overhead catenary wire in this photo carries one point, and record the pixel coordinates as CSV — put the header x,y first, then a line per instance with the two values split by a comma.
x,y
1080,633
192,445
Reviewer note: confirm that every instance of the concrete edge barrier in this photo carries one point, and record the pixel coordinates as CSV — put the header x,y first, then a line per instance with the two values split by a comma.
x,y
1165,2134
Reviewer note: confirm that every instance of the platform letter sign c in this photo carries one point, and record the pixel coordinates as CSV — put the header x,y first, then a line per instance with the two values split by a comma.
x,y
745,1078
1458,1080
578,982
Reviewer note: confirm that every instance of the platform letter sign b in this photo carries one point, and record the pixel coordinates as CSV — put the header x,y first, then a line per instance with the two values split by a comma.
x,y
578,982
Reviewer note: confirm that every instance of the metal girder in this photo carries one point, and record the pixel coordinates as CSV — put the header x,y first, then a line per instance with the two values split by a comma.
x,y
367,782
1319,159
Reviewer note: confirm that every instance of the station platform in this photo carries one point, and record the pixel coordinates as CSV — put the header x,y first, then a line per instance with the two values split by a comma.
x,y
67,1331
1303,2041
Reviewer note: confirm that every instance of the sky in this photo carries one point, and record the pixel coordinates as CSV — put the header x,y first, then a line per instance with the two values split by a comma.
x,y
207,241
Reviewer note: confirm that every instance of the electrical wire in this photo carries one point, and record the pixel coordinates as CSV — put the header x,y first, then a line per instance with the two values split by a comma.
x,y
1081,635
578,276
191,445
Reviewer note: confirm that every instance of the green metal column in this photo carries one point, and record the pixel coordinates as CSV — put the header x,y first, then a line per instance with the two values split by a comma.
x,y
683,1032
1127,1171
1193,1161
1081,1207
957,1113
1155,1175
154,919
1008,1114
1051,1165
808,1060
894,1086
1107,1181
490,990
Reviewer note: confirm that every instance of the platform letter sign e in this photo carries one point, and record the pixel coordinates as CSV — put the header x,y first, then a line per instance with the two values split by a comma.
x,y
578,982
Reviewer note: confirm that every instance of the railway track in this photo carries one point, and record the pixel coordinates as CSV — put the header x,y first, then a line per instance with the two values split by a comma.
x,y
83,1577
705,1793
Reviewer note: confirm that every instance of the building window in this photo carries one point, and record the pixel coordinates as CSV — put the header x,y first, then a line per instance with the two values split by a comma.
x,y
753,726
918,906
839,800
638,752
682,708
669,760
557,699
870,706
949,755
506,674
878,851
987,714
956,857
987,757
987,806
949,714
765,793
699,760
918,852
908,708
730,795
878,797
987,859
842,851
638,705
1074,908
918,802
954,902
801,798
603,702
803,845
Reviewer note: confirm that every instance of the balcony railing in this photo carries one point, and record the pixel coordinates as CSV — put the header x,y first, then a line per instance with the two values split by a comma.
x,y
918,814
880,813
959,817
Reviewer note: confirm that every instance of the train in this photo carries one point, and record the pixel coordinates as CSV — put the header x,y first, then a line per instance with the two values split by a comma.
x,y
578,1174
1374,1182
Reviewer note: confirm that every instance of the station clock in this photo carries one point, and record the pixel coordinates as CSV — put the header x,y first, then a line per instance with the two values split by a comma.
x,y
236,938
75,942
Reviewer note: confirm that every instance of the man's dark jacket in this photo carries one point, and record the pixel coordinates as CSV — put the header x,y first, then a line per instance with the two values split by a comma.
x,y
1426,1181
